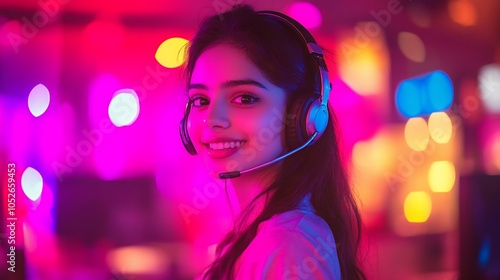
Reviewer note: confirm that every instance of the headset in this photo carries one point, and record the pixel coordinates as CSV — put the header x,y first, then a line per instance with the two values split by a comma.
x,y
308,116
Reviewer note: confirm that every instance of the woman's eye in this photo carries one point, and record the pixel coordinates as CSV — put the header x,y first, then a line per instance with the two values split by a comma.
x,y
199,101
246,99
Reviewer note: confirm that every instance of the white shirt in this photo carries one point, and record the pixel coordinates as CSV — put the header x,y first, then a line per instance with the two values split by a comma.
x,y
296,244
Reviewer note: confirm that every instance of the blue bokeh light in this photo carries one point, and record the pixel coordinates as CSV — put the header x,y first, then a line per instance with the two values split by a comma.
x,y
408,100
424,94
440,91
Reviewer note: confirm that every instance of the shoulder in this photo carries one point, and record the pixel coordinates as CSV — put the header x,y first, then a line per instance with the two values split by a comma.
x,y
292,245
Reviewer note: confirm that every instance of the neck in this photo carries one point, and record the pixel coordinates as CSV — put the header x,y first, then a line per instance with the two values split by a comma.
x,y
247,188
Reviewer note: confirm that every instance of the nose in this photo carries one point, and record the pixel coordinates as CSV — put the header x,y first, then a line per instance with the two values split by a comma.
x,y
217,117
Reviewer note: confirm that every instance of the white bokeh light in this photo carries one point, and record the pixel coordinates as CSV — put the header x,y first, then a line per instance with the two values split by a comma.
x,y
38,100
32,183
124,107
489,84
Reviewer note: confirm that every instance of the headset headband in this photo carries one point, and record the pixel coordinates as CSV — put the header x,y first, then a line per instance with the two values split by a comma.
x,y
313,49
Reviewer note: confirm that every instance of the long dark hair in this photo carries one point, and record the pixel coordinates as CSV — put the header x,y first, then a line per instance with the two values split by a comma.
x,y
318,169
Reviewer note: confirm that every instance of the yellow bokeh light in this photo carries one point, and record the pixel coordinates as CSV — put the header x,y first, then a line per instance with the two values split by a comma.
x,y
171,53
440,127
417,207
364,60
358,151
372,154
411,46
364,70
136,260
417,134
441,176
462,12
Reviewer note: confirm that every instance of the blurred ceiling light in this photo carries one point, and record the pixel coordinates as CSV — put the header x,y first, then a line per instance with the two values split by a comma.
x,y
171,53
411,46
417,207
441,176
462,12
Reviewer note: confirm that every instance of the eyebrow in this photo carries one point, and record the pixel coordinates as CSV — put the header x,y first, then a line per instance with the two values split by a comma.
x,y
230,83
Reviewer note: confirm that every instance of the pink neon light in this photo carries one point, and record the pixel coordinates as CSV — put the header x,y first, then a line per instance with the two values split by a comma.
x,y
305,13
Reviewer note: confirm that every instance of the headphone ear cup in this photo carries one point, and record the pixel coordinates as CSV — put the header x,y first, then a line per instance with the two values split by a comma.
x,y
296,130
186,141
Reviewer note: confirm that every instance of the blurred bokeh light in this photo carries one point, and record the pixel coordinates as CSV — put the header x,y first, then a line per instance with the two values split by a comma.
x,y
462,12
305,13
424,94
32,183
411,46
442,176
417,133
418,207
172,52
38,100
124,107
440,127
106,188
489,84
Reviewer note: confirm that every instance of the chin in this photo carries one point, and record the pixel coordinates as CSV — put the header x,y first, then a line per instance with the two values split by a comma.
x,y
214,168
214,172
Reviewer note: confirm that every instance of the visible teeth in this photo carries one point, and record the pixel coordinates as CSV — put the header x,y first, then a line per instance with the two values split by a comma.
x,y
225,145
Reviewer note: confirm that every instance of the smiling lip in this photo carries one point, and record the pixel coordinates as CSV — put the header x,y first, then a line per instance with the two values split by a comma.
x,y
222,147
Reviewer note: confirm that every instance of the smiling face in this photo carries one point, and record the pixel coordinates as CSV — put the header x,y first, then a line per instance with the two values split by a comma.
x,y
235,121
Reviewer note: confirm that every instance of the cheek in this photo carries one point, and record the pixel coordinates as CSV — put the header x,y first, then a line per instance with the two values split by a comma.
x,y
194,129
270,132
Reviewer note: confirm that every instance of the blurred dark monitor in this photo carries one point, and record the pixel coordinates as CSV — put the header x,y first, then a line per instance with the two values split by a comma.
x,y
89,210
479,224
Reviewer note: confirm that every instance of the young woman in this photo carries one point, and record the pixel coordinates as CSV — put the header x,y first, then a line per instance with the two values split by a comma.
x,y
252,81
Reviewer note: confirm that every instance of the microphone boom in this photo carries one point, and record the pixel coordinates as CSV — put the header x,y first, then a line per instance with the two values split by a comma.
x,y
235,174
